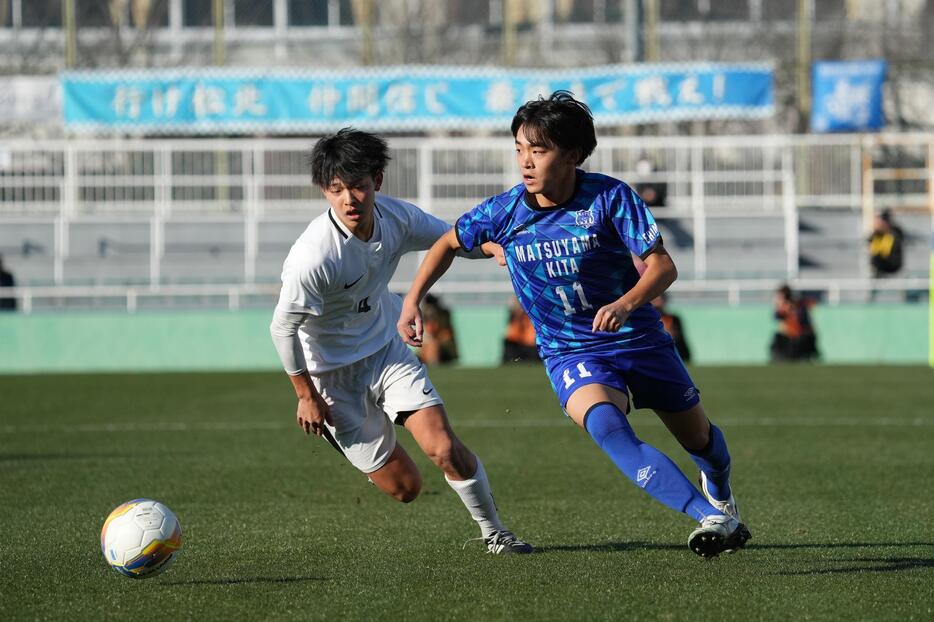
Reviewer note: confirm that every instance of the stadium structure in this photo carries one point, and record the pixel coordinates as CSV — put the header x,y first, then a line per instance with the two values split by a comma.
x,y
154,174
116,213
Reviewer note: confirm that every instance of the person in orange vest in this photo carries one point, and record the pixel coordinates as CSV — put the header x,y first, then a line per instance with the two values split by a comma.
x,y
438,343
519,342
795,339
673,327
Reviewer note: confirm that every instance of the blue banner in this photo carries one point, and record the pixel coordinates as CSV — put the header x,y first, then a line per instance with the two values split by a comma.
x,y
402,98
847,96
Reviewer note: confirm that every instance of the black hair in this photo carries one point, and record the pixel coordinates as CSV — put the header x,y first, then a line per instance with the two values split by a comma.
x,y
559,121
349,155
786,292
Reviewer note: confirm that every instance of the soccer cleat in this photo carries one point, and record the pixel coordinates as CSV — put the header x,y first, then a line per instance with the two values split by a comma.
x,y
504,543
728,507
718,534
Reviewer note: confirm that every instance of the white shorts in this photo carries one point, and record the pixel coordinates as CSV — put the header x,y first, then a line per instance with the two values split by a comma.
x,y
366,397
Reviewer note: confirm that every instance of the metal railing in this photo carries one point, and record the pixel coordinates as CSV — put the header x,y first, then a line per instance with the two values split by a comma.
x,y
265,176
243,296
143,215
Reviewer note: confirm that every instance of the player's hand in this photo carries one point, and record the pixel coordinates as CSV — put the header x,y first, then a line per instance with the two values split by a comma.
x,y
410,324
610,318
495,251
312,413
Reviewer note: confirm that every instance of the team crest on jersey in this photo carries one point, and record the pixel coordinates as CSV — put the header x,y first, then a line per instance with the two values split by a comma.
x,y
585,218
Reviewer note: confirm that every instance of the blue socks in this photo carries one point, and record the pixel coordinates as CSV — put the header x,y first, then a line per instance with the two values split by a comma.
x,y
647,467
714,461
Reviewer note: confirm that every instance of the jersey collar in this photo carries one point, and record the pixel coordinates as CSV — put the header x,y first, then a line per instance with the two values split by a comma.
x,y
341,229
345,232
578,179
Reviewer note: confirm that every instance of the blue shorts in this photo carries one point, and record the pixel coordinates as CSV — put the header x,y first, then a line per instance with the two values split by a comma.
x,y
653,377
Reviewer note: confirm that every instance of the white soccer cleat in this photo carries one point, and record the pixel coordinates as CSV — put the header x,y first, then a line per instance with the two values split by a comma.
x,y
727,507
506,543
718,534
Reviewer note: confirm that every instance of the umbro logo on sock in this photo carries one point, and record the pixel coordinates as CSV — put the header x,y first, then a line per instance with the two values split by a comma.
x,y
643,475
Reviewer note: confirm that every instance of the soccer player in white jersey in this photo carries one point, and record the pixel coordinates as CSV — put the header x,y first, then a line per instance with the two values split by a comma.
x,y
335,331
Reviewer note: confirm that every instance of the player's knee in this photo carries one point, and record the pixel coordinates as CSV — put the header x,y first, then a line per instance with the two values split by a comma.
x,y
605,419
441,453
407,488
409,491
695,438
696,442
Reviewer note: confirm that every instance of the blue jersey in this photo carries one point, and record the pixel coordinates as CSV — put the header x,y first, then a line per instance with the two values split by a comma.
x,y
568,261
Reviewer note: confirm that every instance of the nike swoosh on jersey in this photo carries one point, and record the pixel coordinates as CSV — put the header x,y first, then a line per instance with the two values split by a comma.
x,y
426,391
349,285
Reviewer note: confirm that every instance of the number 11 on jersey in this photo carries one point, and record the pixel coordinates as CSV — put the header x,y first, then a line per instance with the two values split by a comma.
x,y
568,307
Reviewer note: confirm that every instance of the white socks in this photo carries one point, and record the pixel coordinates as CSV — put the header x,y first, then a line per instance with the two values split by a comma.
x,y
476,496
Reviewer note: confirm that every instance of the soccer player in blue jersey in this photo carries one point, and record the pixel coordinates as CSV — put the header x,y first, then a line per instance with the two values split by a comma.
x,y
568,238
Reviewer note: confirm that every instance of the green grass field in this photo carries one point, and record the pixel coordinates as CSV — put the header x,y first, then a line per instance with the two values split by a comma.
x,y
833,470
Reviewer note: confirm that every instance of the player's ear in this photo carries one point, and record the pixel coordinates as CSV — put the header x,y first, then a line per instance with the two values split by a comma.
x,y
378,181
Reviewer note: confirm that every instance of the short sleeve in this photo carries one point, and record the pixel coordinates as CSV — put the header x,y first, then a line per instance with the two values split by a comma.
x,y
302,289
424,229
475,227
633,221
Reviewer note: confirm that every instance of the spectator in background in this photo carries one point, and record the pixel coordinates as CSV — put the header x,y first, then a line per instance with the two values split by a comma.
x,y
7,303
439,345
795,339
886,246
653,193
672,324
519,343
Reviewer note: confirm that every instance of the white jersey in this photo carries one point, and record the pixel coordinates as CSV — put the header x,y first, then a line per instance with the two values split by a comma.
x,y
341,282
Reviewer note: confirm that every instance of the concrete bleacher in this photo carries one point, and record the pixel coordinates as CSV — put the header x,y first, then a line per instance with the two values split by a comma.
x,y
831,245
227,212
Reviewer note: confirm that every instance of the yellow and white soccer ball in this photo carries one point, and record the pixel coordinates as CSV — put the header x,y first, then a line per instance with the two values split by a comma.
x,y
141,538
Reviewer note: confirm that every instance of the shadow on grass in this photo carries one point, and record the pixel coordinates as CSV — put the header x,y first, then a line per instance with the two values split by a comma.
x,y
610,547
245,580
839,545
41,457
853,565
864,564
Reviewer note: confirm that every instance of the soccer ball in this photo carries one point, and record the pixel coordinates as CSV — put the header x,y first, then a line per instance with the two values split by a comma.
x,y
141,538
